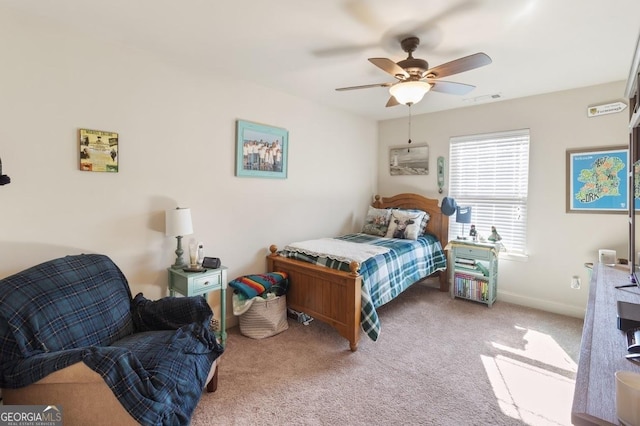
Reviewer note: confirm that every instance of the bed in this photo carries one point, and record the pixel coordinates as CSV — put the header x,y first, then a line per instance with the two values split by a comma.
x,y
335,296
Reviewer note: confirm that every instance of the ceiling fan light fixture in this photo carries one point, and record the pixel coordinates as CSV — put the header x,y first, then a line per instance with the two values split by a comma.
x,y
409,92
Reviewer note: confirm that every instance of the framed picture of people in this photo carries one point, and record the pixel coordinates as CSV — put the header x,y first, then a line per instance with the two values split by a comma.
x,y
98,151
261,150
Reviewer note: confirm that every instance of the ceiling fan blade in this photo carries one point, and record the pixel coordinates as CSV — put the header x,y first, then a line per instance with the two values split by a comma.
x,y
366,86
450,87
392,102
467,63
430,23
343,50
361,11
388,66
428,30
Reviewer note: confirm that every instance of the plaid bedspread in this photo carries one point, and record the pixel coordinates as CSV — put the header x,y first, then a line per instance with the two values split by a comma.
x,y
387,275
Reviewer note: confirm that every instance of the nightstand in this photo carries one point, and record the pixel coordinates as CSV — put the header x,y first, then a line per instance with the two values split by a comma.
x,y
473,270
199,284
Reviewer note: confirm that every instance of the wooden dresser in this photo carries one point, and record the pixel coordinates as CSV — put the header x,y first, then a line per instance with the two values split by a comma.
x,y
603,348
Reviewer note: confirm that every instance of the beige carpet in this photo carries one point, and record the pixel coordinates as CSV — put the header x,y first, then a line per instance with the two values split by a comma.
x,y
438,361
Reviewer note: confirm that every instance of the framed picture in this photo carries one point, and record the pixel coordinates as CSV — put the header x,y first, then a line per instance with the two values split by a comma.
x,y
98,151
261,150
409,160
597,180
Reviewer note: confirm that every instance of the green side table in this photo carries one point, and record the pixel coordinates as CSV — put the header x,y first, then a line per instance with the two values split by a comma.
x,y
200,284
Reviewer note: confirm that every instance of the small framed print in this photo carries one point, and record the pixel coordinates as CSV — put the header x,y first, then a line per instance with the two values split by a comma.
x,y
98,151
409,160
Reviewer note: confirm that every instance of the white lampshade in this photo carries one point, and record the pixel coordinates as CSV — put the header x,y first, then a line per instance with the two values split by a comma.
x,y
409,92
178,222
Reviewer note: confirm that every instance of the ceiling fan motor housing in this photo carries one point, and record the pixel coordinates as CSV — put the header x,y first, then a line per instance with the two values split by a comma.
x,y
410,44
415,67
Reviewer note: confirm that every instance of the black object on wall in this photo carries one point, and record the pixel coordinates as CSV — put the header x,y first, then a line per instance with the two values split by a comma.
x,y
4,179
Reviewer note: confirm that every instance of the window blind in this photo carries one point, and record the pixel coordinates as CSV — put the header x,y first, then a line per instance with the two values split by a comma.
x,y
490,173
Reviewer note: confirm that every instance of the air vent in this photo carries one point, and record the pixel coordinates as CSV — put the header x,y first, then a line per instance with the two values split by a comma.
x,y
483,98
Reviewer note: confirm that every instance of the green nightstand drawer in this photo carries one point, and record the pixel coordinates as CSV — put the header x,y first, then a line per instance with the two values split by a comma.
x,y
473,253
206,284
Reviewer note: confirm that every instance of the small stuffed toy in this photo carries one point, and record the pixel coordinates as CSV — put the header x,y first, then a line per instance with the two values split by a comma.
x,y
494,235
473,233
4,179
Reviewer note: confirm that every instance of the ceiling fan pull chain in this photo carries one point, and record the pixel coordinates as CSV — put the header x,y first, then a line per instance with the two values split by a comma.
x,y
408,149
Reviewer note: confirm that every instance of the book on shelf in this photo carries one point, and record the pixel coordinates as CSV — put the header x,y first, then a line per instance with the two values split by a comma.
x,y
476,268
464,265
470,271
471,287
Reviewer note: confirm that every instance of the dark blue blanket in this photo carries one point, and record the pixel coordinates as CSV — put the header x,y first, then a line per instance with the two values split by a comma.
x,y
79,308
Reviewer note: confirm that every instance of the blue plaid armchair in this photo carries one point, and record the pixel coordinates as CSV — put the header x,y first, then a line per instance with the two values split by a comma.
x,y
72,336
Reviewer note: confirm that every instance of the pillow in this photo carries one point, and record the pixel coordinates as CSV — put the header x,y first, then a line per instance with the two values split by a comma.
x,y
405,224
425,219
376,222
425,222
168,313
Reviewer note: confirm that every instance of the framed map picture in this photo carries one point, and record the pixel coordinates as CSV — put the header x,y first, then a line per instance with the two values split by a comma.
x,y
597,180
98,151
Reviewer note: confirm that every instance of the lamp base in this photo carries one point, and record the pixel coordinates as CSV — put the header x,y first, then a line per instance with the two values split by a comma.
x,y
180,263
462,237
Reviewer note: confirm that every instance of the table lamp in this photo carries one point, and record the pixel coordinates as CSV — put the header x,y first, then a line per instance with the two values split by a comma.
x,y
4,179
463,215
177,224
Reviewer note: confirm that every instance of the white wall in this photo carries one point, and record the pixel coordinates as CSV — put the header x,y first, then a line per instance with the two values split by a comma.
x,y
558,243
177,147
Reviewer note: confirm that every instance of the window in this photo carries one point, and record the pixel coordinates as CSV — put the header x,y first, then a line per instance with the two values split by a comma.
x,y
490,173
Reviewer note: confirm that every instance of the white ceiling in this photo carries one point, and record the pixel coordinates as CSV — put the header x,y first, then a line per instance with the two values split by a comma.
x,y
310,47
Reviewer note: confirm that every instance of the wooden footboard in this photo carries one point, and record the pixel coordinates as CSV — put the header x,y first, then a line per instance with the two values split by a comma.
x,y
328,295
333,296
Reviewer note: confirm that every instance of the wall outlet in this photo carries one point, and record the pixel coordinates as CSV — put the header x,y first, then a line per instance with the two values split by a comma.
x,y
576,282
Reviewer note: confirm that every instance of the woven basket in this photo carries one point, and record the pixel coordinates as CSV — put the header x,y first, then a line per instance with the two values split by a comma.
x,y
265,318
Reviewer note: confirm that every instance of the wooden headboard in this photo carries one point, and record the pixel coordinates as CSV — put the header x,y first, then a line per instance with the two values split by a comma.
x,y
438,223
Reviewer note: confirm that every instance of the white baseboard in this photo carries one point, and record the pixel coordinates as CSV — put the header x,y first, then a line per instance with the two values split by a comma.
x,y
543,305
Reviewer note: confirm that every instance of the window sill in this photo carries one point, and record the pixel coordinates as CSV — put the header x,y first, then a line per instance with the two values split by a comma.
x,y
514,256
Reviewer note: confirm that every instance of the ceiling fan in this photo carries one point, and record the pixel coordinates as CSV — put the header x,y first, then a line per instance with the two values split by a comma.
x,y
415,78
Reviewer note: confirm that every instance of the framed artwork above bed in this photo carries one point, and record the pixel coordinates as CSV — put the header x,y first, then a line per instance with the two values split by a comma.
x,y
261,150
409,160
